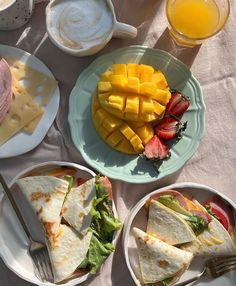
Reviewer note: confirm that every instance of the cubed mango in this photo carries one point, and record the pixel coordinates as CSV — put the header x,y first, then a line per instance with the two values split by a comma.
x,y
146,105
132,104
114,138
132,84
117,101
104,86
147,89
159,79
162,96
126,131
133,70
145,73
120,69
118,82
106,75
158,108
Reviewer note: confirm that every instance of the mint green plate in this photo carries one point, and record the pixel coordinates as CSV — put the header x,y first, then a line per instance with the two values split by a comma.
x,y
117,165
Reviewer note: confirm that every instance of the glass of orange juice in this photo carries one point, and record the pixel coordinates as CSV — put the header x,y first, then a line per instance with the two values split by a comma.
x,y
193,21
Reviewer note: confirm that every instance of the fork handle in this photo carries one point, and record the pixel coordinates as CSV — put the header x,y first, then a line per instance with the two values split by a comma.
x,y
15,207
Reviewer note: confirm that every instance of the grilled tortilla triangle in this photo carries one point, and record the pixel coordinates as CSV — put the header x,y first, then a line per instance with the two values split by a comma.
x,y
67,251
162,221
46,195
66,247
159,260
215,240
77,206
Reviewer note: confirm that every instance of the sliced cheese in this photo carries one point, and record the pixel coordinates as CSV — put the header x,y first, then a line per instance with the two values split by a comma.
x,y
31,126
23,110
31,81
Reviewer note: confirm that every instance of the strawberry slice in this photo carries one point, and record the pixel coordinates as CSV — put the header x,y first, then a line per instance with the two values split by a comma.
x,y
177,105
156,149
169,128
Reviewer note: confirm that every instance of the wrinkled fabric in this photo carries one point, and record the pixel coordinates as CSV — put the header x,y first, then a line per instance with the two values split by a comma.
x,y
213,64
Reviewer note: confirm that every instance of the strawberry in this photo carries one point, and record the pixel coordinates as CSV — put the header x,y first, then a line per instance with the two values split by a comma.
x,y
169,128
156,149
177,104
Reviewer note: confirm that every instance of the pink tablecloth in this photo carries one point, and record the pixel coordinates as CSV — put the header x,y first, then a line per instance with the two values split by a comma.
x,y
213,64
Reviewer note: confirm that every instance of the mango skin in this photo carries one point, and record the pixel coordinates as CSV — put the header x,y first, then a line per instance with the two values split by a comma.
x,y
129,99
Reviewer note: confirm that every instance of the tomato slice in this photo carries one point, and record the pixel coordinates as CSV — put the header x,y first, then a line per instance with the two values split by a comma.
x,y
80,181
222,215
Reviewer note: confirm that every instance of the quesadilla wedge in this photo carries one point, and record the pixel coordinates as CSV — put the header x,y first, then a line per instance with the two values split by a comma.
x,y
46,195
158,260
67,251
215,240
81,240
77,206
163,221
193,214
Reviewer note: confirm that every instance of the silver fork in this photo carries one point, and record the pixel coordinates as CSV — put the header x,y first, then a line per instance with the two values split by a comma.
x,y
38,251
214,267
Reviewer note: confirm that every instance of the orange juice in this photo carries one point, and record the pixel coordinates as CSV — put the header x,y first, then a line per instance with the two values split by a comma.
x,y
195,19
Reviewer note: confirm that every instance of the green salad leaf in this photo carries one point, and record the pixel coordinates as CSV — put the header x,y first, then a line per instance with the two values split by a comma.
x,y
197,223
103,226
98,252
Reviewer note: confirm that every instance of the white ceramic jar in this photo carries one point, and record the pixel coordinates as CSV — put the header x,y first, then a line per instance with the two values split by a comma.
x,y
84,27
15,13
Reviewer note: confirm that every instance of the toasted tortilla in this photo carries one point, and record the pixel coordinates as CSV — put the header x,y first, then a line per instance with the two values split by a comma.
x,y
167,225
46,195
213,241
159,260
67,252
66,247
77,206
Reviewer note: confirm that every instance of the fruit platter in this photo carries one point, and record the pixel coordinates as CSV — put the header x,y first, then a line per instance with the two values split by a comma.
x,y
134,120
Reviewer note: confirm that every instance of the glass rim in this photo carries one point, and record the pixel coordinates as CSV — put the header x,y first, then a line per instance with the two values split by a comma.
x,y
200,38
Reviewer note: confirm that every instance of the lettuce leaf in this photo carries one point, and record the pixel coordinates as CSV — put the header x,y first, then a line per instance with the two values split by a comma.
x,y
98,252
103,226
197,223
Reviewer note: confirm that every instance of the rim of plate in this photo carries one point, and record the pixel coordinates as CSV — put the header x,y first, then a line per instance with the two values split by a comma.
x,y
53,102
140,204
144,178
49,164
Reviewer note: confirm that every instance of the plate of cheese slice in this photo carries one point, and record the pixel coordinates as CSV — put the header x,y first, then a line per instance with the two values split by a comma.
x,y
29,101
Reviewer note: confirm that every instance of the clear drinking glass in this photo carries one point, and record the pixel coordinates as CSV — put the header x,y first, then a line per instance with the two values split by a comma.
x,y
193,21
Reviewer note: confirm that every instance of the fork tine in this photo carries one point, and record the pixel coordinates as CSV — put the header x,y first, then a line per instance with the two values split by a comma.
x,y
226,269
221,260
39,267
36,270
48,266
42,264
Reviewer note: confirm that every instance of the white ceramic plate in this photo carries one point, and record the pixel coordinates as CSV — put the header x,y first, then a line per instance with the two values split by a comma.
x,y
138,218
23,142
13,241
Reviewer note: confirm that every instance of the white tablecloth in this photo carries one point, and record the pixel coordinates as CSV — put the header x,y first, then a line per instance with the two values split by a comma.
x,y
213,64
